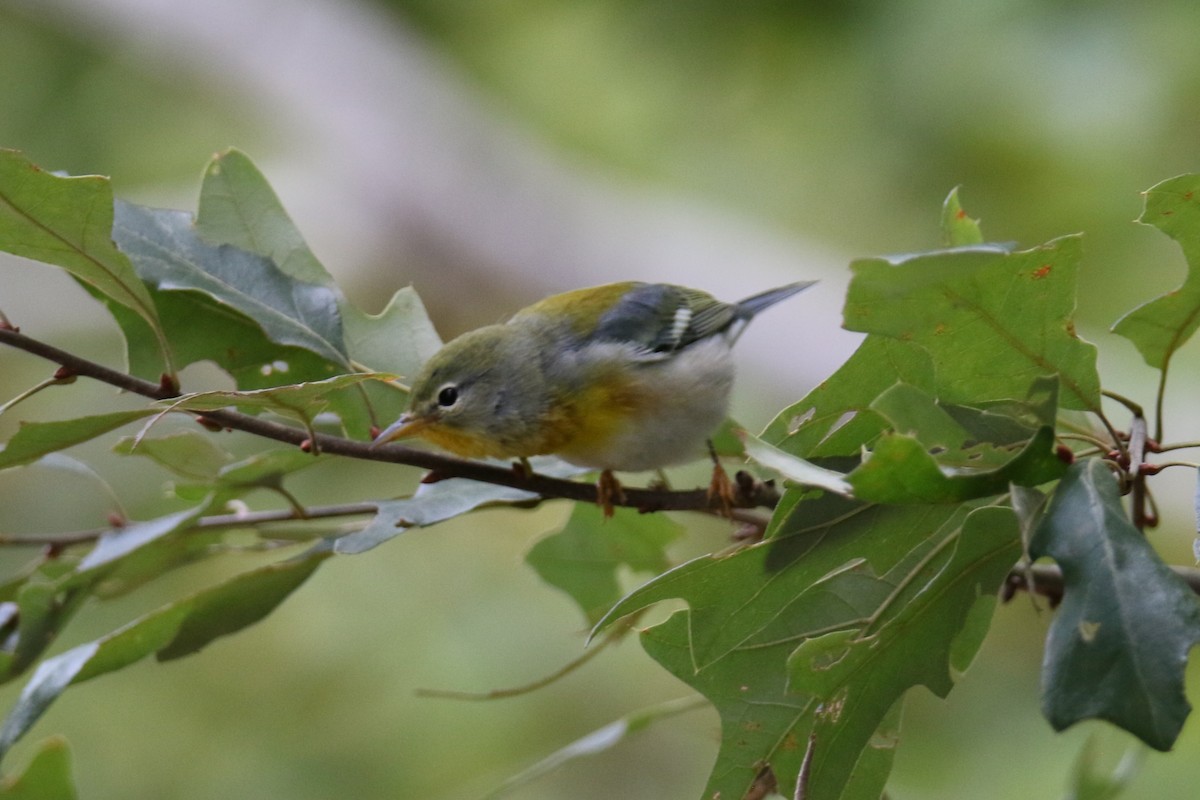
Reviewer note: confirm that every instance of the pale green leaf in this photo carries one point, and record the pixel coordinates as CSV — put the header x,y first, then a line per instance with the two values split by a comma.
x,y
1160,327
35,439
958,229
68,222
47,777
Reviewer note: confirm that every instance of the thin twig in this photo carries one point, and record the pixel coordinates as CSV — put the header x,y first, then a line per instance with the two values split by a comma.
x,y
243,519
611,637
1048,580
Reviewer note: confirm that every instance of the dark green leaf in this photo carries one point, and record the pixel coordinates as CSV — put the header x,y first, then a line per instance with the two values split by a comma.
x,y
173,631
837,574
1119,642
169,255
958,229
35,439
202,329
585,556
240,602
835,418
870,774
48,776
914,639
994,322
1160,327
68,222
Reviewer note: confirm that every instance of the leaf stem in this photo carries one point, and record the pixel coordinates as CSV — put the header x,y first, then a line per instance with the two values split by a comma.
x,y
612,636
1134,407
31,391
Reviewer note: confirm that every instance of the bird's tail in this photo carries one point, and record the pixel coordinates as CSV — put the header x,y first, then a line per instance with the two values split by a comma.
x,y
752,305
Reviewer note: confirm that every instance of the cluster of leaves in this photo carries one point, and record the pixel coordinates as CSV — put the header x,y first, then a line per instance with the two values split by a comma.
x,y
965,435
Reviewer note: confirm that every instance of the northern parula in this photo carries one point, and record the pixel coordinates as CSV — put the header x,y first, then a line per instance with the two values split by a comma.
x,y
626,377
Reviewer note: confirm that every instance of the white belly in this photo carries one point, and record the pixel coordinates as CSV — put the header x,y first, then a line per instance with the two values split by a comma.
x,y
687,398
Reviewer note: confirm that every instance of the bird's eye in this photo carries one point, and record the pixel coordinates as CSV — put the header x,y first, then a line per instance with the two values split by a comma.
x,y
447,396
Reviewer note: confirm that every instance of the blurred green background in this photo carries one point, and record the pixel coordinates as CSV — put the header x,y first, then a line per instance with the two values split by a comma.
x,y
490,154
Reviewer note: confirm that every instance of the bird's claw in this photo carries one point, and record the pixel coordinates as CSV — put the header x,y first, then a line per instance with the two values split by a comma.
x,y
608,492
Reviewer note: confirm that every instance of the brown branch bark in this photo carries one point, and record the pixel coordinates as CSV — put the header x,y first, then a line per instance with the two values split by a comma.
x,y
750,494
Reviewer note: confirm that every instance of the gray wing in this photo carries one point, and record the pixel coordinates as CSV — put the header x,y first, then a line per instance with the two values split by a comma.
x,y
664,318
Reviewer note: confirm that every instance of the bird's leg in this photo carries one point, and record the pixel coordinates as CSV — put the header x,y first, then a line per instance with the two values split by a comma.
x,y
523,468
661,482
720,488
608,490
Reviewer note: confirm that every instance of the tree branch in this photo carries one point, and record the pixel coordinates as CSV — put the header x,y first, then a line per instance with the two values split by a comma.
x,y
244,519
750,493
1047,580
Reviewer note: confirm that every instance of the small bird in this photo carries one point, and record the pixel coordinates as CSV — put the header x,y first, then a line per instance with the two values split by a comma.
x,y
623,377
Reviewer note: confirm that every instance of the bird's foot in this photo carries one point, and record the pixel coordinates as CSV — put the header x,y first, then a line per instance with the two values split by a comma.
x,y
608,492
720,488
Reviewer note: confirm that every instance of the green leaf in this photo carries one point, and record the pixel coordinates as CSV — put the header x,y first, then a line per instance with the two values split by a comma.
x,y
936,459
398,339
993,322
202,329
584,557
189,454
437,502
176,630
68,222
1120,639
35,439
1089,783
48,776
958,230
170,256
1160,327
238,207
45,603
901,470
120,542
888,590
859,675
868,779
835,418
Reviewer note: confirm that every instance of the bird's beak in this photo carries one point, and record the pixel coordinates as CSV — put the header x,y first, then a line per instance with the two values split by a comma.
x,y
407,425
